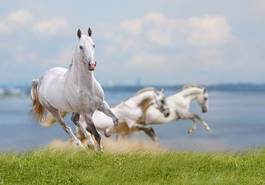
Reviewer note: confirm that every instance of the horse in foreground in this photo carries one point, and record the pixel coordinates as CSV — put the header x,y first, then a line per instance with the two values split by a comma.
x,y
131,114
72,90
179,107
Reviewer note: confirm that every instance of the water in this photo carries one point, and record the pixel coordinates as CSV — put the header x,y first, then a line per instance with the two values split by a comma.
x,y
237,121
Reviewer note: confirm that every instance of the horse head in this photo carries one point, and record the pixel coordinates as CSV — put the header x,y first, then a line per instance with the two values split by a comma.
x,y
86,49
202,99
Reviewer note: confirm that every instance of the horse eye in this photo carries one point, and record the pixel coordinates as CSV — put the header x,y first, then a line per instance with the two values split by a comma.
x,y
94,46
205,98
163,101
81,47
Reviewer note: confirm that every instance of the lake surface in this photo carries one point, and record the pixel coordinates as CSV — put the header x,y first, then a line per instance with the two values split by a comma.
x,y
236,118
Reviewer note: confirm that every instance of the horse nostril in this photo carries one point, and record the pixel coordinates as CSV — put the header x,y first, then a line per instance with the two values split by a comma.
x,y
167,114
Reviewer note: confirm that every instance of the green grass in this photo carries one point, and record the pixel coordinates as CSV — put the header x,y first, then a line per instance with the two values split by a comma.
x,y
77,167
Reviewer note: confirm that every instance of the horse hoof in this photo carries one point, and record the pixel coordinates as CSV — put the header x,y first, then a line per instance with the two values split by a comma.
x,y
189,131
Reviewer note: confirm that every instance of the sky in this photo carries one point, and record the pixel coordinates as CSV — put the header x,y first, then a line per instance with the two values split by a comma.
x,y
153,41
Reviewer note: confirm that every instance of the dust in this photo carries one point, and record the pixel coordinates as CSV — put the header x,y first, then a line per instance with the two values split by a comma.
x,y
114,146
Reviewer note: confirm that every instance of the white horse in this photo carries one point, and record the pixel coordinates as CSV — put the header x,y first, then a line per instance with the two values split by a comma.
x,y
179,106
72,90
131,114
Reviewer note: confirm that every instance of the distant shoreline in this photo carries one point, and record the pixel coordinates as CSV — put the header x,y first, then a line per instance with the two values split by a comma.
x,y
24,90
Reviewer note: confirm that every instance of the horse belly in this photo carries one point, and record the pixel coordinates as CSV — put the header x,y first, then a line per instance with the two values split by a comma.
x,y
154,116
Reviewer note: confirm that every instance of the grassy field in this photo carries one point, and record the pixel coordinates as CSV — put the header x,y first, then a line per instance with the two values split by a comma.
x,y
78,167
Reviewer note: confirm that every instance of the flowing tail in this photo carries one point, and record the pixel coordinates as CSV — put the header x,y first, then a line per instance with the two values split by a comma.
x,y
40,113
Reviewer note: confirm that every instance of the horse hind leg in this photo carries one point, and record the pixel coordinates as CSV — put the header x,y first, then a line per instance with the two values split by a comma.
x,y
66,128
148,131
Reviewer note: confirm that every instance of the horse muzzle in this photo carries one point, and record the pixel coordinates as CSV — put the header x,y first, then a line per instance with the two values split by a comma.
x,y
166,113
92,66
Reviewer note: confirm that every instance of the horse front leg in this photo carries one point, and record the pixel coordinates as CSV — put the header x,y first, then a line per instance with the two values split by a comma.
x,y
104,107
76,119
206,126
91,127
196,118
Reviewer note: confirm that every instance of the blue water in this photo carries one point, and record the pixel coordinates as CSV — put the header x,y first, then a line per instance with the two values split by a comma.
x,y
237,121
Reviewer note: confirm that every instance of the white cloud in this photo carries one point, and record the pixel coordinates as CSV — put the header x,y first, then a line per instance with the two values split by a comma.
x,y
153,26
197,31
19,17
51,27
15,20
208,30
145,41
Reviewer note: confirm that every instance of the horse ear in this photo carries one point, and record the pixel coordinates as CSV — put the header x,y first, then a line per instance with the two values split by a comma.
x,y
79,33
204,90
89,31
162,90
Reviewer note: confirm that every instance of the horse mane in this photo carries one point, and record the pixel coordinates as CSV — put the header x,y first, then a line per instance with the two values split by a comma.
x,y
137,93
192,85
144,90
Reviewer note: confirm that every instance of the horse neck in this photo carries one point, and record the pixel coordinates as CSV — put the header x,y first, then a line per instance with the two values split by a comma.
x,y
191,93
144,105
143,99
80,74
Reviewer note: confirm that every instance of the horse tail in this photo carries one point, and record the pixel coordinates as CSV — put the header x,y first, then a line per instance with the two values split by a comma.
x,y
38,109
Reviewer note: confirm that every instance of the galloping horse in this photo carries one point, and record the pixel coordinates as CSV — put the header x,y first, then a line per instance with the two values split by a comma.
x,y
72,90
179,105
131,114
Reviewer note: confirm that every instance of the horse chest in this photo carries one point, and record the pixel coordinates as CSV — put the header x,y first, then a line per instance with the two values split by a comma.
x,y
85,101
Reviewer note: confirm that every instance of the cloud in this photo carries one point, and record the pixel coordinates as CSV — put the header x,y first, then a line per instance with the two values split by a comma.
x,y
15,20
208,30
154,39
199,31
19,17
51,27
